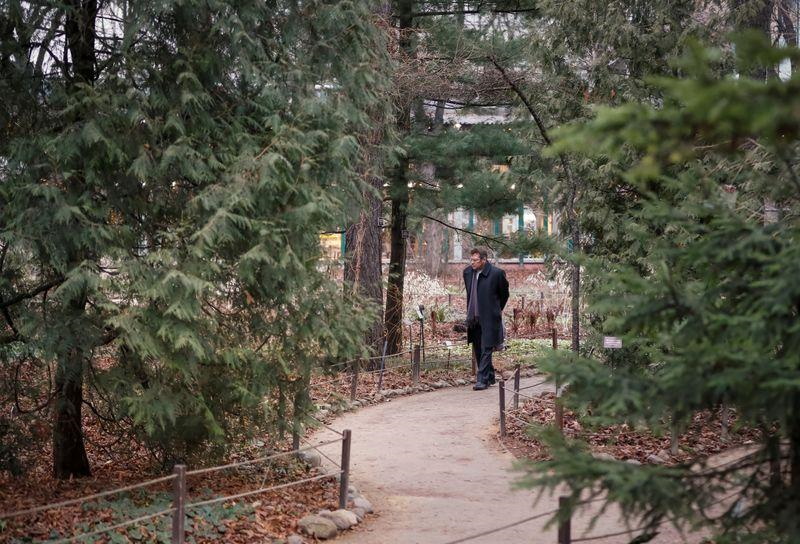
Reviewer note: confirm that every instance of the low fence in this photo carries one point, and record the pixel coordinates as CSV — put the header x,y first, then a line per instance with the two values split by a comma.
x,y
180,505
419,360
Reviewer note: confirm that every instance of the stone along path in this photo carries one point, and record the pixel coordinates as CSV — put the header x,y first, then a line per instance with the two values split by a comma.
x,y
434,470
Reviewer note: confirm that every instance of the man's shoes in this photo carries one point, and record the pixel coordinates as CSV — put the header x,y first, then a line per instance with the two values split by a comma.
x,y
479,386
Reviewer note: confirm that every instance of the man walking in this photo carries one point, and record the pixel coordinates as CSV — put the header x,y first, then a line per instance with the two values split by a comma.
x,y
487,294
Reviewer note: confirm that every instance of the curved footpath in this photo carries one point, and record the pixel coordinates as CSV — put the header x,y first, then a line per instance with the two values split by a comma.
x,y
435,472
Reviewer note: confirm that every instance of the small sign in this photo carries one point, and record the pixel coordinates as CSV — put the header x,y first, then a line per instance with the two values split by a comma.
x,y
612,342
404,234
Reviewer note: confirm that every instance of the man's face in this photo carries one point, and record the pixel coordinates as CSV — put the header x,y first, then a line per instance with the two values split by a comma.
x,y
476,262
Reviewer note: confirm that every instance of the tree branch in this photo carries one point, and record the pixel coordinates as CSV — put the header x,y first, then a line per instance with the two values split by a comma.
x,y
30,294
471,11
471,233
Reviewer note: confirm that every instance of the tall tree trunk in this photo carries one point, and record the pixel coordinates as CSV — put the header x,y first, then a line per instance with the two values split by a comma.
x,y
363,240
362,271
69,452
393,319
399,196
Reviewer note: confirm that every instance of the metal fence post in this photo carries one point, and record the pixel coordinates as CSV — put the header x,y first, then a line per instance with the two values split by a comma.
x,y
415,365
564,536
502,391
516,387
179,504
344,477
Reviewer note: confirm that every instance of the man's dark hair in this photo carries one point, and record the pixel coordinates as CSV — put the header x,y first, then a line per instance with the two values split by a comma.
x,y
482,251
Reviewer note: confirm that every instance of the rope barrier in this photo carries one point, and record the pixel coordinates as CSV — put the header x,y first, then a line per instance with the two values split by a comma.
x,y
374,358
261,490
534,385
116,526
324,424
337,465
503,528
85,498
253,461
643,527
518,420
520,394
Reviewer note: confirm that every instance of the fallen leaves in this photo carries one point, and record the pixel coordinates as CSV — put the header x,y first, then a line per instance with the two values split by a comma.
x,y
703,438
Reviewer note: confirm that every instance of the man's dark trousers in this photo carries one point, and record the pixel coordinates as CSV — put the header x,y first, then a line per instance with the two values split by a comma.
x,y
483,358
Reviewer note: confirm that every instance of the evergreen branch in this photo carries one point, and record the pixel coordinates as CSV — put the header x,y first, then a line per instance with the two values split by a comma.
x,y
7,316
792,173
471,233
30,294
51,393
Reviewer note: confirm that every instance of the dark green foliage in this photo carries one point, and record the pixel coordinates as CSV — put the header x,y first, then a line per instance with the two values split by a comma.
x,y
699,277
167,212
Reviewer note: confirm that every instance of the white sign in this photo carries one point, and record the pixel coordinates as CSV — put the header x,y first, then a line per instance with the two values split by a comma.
x,y
612,342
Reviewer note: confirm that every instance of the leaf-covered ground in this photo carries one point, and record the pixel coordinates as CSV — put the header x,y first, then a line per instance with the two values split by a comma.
x,y
269,514
704,437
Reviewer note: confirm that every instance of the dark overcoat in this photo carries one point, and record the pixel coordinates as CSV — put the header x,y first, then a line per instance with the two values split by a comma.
x,y
492,297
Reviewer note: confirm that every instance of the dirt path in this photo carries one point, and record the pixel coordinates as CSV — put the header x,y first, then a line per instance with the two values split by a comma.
x,y
435,472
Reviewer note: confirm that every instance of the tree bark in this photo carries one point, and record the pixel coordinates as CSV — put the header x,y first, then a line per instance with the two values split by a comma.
x,y
362,271
69,452
393,319
399,196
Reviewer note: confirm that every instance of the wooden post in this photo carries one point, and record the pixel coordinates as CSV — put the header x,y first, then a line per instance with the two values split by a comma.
x,y
523,302
502,391
516,387
559,414
354,381
344,477
383,365
295,438
559,409
725,417
564,536
673,440
415,365
179,504
449,299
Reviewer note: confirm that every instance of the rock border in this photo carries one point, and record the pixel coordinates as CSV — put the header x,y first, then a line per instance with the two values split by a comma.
x,y
327,524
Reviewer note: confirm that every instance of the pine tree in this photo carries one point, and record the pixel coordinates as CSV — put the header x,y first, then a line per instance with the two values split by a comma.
x,y
702,288
165,170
